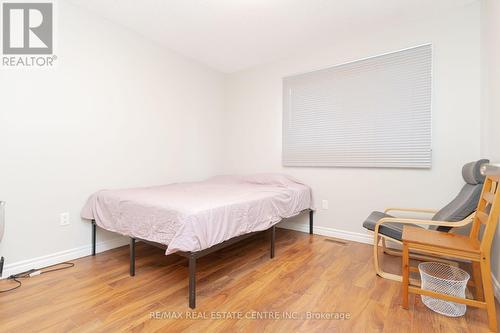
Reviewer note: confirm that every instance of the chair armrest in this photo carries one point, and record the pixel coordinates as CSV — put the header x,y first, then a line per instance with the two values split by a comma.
x,y
415,210
457,224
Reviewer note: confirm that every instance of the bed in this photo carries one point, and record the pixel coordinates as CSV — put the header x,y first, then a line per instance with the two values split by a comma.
x,y
197,218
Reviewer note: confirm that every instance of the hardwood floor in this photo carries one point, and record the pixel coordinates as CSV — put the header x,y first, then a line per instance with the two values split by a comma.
x,y
308,274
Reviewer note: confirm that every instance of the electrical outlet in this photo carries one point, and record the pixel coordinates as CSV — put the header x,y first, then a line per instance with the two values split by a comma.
x,y
324,204
64,219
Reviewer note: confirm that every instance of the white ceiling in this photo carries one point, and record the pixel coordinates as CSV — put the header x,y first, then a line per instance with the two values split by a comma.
x,y
231,35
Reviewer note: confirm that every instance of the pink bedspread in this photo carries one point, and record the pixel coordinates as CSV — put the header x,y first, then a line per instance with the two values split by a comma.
x,y
195,216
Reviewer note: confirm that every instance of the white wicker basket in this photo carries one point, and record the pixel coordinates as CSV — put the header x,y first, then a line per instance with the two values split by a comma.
x,y
444,279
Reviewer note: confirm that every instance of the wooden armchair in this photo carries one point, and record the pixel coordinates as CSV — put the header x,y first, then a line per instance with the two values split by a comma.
x,y
472,248
458,213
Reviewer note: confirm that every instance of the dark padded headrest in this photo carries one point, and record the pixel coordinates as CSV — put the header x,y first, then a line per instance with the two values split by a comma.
x,y
472,172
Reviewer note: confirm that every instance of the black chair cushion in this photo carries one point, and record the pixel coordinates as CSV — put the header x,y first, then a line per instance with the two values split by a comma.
x,y
461,206
392,230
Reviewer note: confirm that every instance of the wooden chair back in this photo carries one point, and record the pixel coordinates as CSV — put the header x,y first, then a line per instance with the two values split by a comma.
x,y
487,213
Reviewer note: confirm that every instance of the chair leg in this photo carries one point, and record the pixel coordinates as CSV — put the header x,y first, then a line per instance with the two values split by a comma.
x,y
378,270
478,283
376,240
488,293
406,276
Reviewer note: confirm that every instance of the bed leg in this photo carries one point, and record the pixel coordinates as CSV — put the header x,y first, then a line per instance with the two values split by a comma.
x,y
192,280
311,213
273,240
93,237
132,256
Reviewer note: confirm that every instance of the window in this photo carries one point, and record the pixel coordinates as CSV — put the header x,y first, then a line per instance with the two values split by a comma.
x,y
374,112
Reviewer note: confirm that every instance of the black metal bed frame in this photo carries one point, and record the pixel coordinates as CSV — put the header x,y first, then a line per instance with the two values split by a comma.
x,y
192,256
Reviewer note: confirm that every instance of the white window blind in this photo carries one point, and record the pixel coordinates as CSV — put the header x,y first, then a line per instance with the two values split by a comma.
x,y
374,112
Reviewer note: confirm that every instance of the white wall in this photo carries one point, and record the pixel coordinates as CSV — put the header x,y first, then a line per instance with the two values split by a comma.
x,y
490,87
117,111
254,113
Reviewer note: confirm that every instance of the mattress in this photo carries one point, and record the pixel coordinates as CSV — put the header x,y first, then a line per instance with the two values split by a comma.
x,y
194,216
